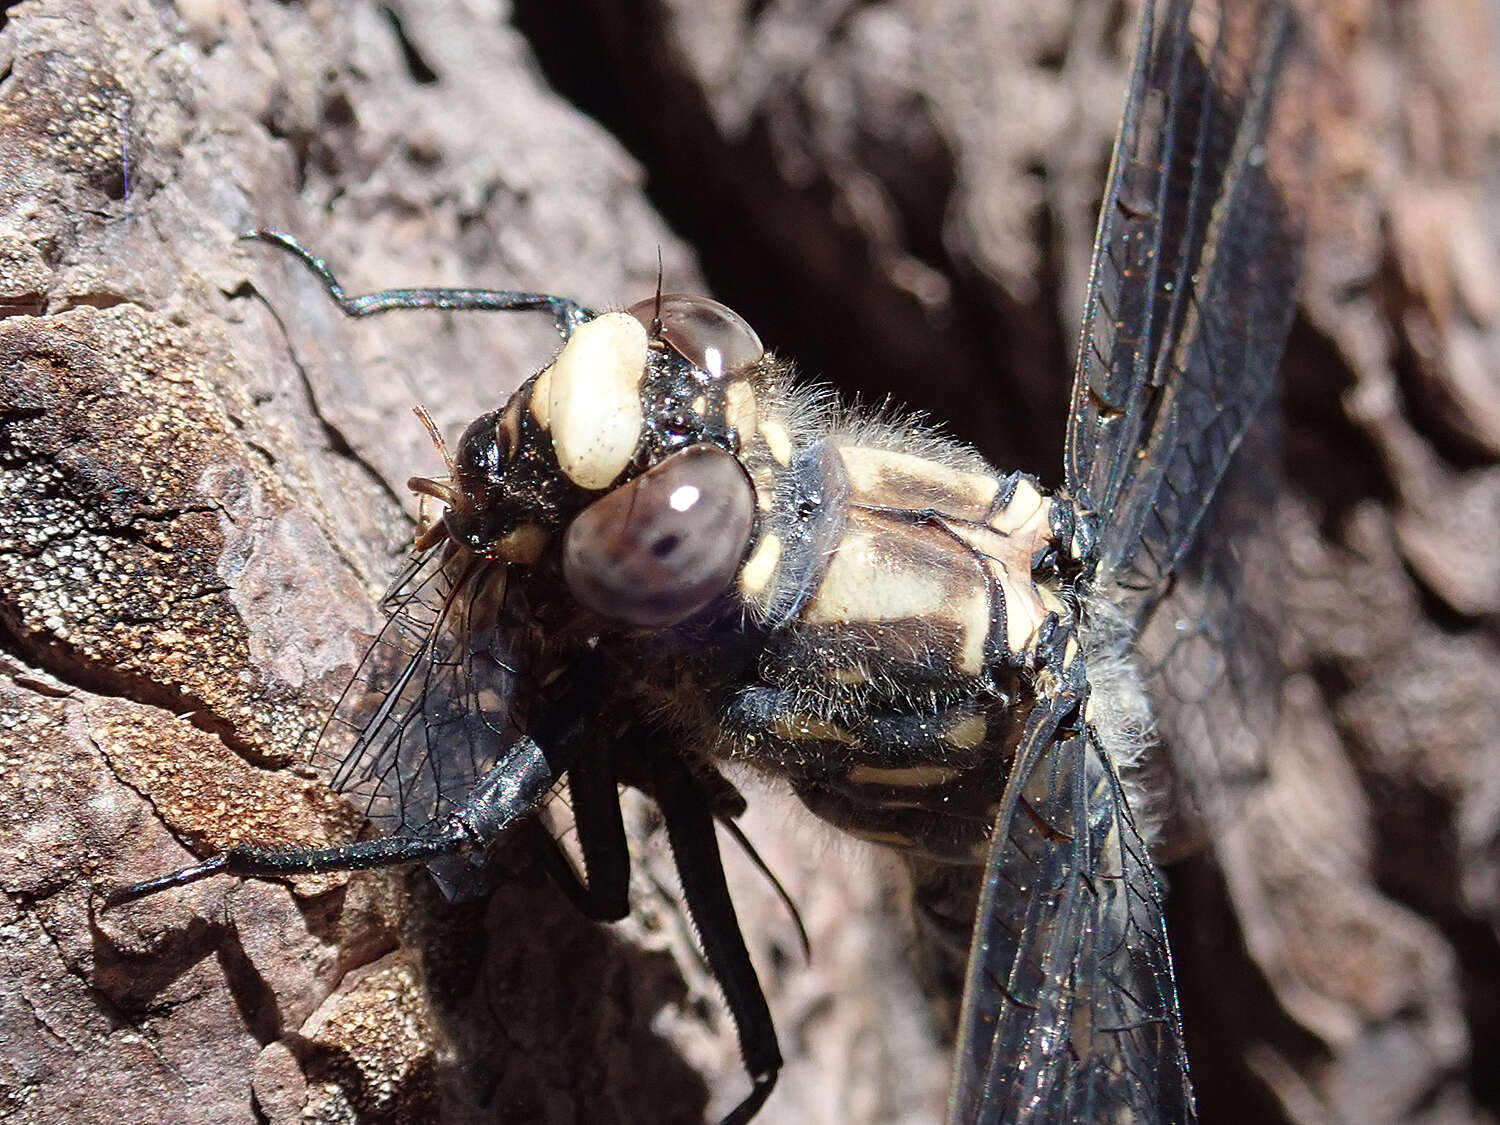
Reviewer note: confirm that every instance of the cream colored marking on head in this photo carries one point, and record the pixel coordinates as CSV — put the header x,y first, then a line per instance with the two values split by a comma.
x,y
910,777
594,401
739,409
755,575
861,585
524,545
967,733
801,728
1070,652
777,441
540,390
700,404
882,477
510,422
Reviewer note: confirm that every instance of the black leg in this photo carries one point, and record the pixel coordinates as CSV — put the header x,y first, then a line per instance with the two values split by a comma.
x,y
690,828
601,838
568,314
510,791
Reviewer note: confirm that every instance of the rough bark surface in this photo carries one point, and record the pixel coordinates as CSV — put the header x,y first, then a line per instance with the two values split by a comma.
x,y
202,467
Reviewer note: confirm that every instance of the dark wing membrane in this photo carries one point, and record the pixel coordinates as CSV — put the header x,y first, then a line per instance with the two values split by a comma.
x,y
432,705
1208,647
1195,269
1070,1011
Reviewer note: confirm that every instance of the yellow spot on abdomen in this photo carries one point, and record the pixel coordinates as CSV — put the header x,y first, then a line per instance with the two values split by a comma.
x,y
810,728
914,777
967,733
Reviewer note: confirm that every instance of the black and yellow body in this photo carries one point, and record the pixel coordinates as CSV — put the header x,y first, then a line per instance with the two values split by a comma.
x,y
661,556
891,602
662,538
891,599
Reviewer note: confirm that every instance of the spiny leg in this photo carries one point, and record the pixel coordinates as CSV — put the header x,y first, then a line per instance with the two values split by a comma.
x,y
695,850
726,803
566,313
601,839
509,792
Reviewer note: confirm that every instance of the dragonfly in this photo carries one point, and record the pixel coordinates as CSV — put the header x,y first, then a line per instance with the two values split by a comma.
x,y
662,558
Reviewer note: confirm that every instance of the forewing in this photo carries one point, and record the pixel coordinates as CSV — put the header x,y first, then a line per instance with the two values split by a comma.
x,y
1195,269
1208,648
433,703
1070,1011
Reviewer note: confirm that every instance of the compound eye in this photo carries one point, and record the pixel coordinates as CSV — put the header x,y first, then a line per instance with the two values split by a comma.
x,y
659,549
707,334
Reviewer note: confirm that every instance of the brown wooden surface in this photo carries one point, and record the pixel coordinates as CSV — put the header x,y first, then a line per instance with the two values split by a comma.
x,y
202,471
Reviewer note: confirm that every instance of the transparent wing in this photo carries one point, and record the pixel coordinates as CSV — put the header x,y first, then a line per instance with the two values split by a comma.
x,y
1208,648
1194,275
433,703
1070,1011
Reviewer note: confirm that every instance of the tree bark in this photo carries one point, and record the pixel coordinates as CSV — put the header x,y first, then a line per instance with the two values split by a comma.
x,y
203,467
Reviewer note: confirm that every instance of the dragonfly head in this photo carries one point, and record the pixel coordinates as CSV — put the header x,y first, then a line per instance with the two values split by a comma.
x,y
621,462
